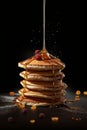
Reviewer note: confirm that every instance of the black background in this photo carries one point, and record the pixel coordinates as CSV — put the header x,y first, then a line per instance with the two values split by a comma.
x,y
21,34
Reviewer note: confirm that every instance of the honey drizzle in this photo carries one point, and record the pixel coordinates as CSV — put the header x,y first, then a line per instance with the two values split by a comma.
x,y
29,60
53,83
44,5
53,75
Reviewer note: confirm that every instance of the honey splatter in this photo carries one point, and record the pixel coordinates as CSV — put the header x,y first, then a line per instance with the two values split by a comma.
x,y
33,108
78,92
11,93
85,93
32,121
55,119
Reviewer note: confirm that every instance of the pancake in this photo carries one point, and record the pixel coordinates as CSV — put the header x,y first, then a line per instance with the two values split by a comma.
x,y
41,86
41,76
52,84
44,73
48,95
46,64
39,102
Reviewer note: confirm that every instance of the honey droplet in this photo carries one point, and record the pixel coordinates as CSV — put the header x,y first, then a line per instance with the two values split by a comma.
x,y
21,105
33,108
11,93
85,93
55,119
78,92
32,121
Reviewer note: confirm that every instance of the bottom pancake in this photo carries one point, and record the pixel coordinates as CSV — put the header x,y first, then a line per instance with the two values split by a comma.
x,y
40,102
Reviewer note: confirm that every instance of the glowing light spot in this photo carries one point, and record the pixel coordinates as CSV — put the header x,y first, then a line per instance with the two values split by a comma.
x,y
76,118
78,92
55,119
33,108
72,118
32,121
31,40
85,93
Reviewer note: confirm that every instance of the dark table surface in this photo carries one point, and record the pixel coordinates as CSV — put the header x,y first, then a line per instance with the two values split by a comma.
x,y
71,115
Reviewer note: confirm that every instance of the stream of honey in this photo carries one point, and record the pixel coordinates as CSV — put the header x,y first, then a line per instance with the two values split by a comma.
x,y
44,7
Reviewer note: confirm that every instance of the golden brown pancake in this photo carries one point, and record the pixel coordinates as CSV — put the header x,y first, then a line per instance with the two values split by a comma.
x,y
49,64
40,102
41,86
43,73
48,95
41,76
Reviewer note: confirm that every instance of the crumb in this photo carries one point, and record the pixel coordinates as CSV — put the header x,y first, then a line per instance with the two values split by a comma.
x,y
55,119
10,119
32,121
24,110
78,92
33,108
11,93
42,115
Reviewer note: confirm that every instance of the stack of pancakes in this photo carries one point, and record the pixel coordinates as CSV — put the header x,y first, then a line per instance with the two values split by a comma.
x,y
42,80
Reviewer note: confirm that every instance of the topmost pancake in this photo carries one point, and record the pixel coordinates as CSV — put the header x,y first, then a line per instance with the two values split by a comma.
x,y
42,61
